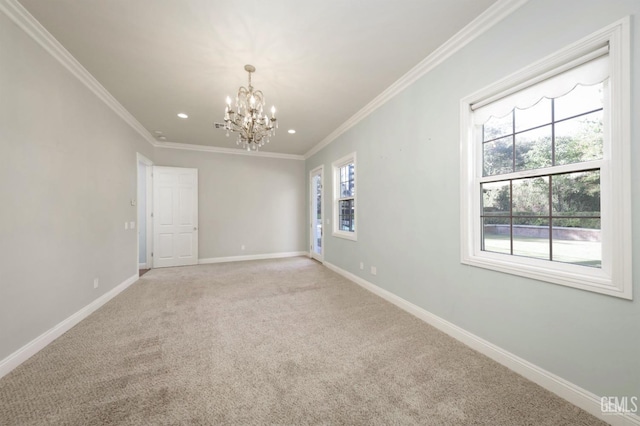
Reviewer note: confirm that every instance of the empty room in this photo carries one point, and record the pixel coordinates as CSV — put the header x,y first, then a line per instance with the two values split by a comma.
x,y
408,212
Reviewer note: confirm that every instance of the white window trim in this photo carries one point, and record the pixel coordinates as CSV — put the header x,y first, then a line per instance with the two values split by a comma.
x,y
614,278
351,158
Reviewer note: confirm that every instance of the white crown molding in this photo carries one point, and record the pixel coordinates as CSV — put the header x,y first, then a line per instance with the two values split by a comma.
x,y
220,150
40,342
490,17
561,387
252,257
21,17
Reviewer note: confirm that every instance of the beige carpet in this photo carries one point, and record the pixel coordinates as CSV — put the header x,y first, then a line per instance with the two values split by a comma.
x,y
284,342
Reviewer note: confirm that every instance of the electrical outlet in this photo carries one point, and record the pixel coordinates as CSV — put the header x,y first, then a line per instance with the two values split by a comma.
x,y
96,283
126,226
361,265
242,247
374,270
132,225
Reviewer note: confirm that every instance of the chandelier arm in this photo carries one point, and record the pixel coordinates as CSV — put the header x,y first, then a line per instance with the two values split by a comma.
x,y
259,96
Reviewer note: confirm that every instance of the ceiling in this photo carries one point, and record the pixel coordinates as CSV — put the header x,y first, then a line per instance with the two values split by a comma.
x,y
318,62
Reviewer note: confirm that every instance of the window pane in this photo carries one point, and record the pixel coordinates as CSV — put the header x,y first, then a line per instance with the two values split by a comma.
x,y
531,197
496,234
496,200
498,156
537,115
576,194
531,237
347,187
533,149
580,100
577,241
497,126
579,139
346,214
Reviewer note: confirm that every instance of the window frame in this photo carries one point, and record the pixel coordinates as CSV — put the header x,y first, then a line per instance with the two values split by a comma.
x,y
336,165
614,277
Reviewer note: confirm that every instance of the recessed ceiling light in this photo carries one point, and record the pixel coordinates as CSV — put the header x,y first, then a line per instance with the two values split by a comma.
x,y
291,131
162,138
183,115
157,132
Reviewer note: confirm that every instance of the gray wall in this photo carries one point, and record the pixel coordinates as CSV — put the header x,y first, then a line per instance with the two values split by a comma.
x,y
408,180
253,201
67,175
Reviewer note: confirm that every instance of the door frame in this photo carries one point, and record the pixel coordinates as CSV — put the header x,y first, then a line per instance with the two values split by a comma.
x,y
148,208
312,254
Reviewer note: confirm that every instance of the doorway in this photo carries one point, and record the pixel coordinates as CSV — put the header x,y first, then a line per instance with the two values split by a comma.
x,y
316,179
144,205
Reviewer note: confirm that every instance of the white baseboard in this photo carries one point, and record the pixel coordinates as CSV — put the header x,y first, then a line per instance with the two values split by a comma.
x,y
142,266
253,257
561,387
31,348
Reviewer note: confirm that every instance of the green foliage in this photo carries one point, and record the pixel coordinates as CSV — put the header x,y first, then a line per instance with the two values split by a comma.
x,y
572,194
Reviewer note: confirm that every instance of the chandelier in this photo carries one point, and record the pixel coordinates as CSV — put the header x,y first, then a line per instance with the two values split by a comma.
x,y
253,126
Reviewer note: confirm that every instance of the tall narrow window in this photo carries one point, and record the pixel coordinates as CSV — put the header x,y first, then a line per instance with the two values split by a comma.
x,y
545,169
344,174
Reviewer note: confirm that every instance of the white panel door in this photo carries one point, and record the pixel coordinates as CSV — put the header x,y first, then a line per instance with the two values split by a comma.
x,y
175,216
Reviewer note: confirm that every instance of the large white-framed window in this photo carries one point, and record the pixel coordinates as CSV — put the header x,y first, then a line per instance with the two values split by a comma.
x,y
545,168
344,197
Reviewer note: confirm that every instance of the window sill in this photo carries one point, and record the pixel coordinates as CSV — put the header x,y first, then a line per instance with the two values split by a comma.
x,y
345,235
589,279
